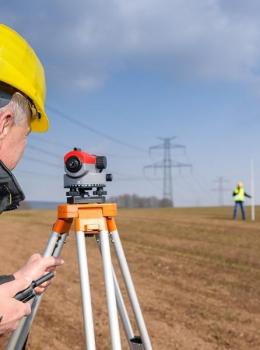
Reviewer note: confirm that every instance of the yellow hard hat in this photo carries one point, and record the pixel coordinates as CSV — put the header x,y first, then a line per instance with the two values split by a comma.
x,y
21,69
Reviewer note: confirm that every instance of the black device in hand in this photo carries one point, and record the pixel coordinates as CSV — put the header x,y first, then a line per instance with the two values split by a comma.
x,y
29,293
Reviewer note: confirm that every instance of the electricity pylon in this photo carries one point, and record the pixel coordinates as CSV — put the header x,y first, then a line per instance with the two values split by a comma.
x,y
221,181
167,164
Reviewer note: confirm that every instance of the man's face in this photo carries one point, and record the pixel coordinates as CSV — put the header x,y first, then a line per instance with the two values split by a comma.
x,y
13,144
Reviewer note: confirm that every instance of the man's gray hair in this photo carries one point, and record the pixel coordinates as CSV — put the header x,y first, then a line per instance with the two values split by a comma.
x,y
20,107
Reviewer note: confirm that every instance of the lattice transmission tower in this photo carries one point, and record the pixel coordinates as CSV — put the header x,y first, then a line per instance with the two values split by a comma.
x,y
221,189
167,163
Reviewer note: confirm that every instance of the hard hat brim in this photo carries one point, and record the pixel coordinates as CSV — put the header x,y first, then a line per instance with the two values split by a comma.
x,y
40,124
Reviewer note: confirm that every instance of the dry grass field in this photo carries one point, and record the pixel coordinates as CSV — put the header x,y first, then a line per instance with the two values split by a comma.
x,y
197,275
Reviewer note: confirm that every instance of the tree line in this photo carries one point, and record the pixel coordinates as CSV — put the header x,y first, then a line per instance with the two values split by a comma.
x,y
135,201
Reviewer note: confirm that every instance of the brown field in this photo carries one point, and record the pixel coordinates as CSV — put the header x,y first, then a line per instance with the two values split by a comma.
x,y
197,275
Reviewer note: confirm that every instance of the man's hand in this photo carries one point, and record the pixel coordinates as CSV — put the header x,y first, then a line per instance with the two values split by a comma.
x,y
36,267
11,310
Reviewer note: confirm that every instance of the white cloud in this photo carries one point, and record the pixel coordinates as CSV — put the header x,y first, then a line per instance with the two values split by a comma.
x,y
83,42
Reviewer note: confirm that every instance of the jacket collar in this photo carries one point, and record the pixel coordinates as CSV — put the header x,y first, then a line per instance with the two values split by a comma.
x,y
11,193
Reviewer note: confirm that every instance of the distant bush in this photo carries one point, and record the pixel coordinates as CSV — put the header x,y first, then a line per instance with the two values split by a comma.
x,y
25,205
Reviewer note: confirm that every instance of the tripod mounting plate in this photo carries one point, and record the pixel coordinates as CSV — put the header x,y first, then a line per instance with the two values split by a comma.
x,y
91,193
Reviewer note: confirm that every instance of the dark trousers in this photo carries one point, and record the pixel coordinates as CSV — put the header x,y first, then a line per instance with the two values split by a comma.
x,y
241,205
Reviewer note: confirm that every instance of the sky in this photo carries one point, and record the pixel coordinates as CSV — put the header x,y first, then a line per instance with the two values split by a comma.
x,y
122,74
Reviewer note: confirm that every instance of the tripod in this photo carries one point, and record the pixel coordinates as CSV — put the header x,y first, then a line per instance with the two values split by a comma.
x,y
93,220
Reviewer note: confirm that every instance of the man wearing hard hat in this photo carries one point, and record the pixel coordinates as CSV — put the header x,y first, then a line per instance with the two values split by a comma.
x,y
22,98
239,195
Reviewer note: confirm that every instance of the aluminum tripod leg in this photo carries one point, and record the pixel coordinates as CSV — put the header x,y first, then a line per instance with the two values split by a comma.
x,y
121,305
131,290
85,291
110,290
18,338
122,310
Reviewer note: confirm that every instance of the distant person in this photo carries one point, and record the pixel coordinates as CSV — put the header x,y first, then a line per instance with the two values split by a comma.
x,y
22,97
239,195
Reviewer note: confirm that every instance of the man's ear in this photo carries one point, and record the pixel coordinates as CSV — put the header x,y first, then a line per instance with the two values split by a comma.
x,y
6,122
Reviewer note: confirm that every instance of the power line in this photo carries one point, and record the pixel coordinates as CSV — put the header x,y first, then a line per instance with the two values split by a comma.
x,y
35,173
121,177
37,160
112,155
49,141
118,176
38,149
79,123
180,179
198,179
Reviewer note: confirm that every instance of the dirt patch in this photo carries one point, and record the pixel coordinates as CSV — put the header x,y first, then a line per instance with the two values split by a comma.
x,y
197,275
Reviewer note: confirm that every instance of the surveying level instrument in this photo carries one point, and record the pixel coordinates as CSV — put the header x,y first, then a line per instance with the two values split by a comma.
x,y
84,177
91,216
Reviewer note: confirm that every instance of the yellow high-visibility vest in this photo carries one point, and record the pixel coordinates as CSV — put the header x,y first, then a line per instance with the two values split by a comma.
x,y
239,194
